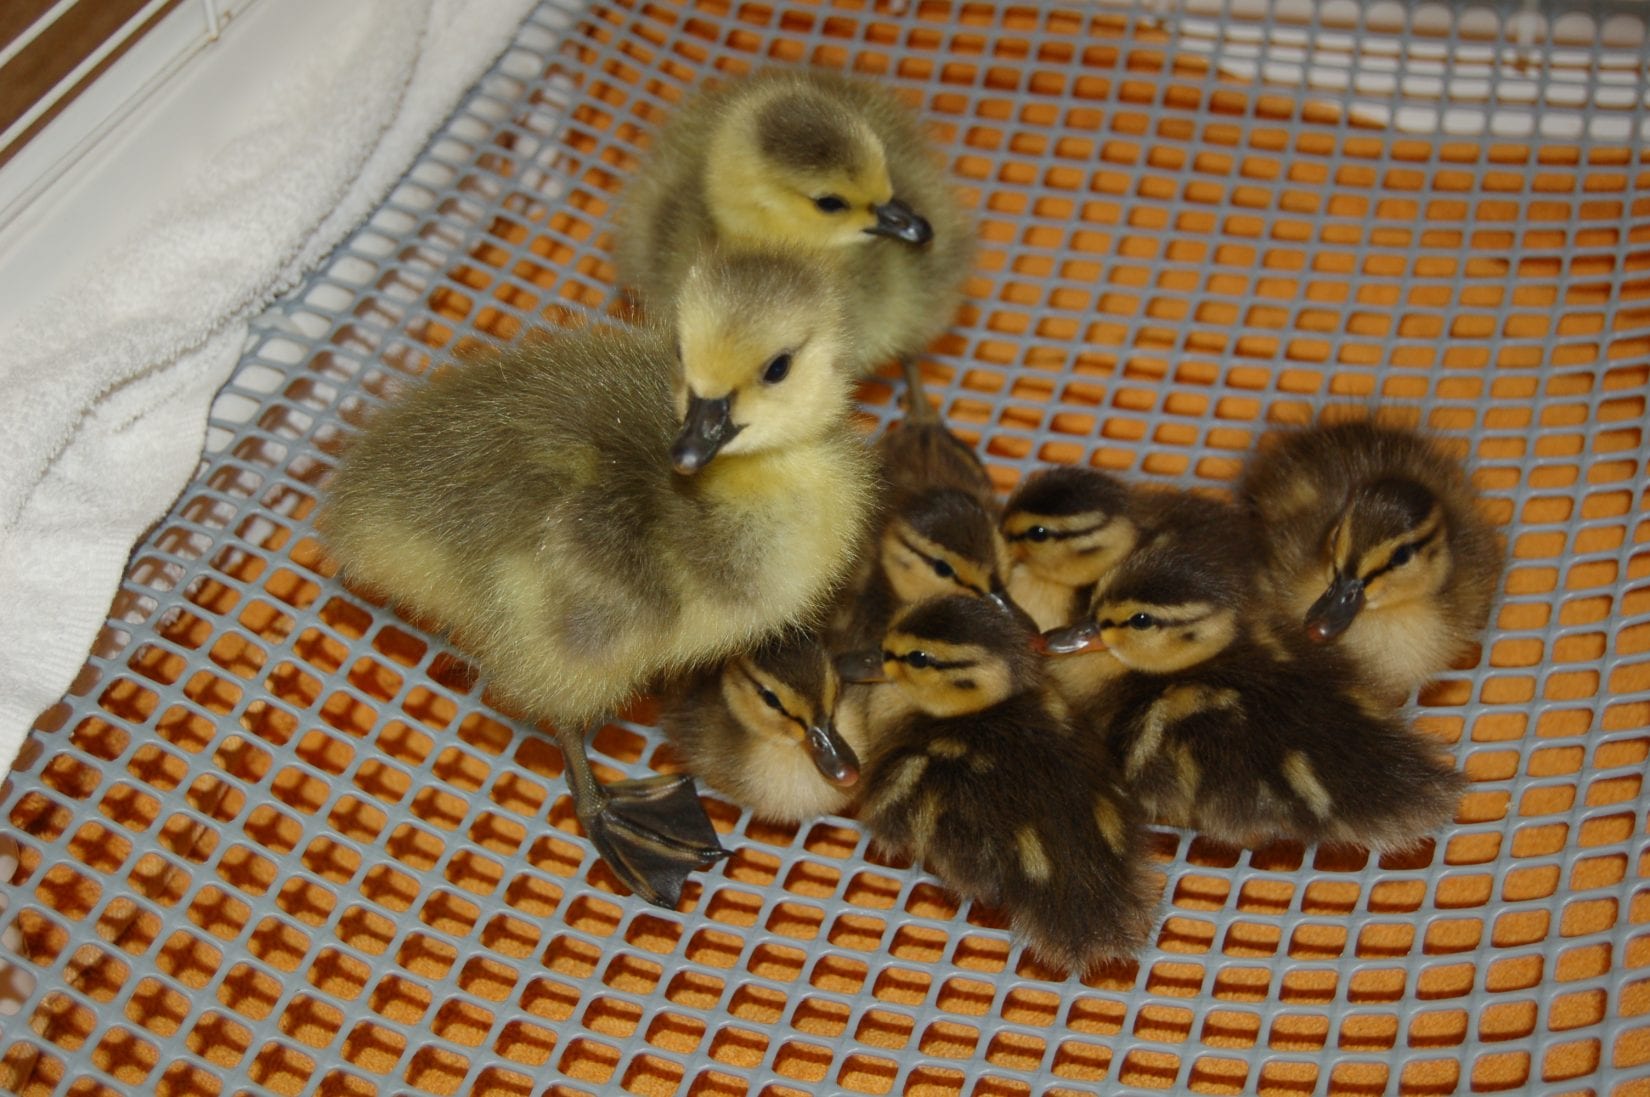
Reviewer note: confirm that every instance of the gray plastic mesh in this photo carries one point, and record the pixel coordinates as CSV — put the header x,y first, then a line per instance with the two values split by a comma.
x,y
275,840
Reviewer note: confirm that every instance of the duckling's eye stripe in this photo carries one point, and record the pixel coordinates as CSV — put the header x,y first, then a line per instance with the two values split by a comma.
x,y
1058,534
1159,620
949,664
1414,546
955,575
756,683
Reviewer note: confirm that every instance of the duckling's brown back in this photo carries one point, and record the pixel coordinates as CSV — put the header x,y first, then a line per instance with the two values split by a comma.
x,y
922,453
1275,739
1009,807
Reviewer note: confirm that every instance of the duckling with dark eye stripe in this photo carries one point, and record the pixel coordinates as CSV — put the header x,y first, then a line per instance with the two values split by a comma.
x,y
973,768
1222,722
1376,541
760,730
938,532
1065,528
805,157
931,544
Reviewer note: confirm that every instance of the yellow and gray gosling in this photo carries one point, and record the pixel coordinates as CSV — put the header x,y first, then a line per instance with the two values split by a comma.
x,y
760,729
593,510
1376,541
1065,528
834,163
1221,722
973,767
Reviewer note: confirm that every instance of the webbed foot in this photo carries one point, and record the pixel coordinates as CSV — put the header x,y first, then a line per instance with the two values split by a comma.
x,y
653,833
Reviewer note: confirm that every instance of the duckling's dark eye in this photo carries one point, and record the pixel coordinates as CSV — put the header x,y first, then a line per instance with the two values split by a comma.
x,y
918,659
1037,533
1141,620
1402,556
769,697
943,569
777,369
830,203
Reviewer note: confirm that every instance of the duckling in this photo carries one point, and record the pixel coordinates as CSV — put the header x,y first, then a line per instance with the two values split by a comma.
x,y
1376,540
1065,528
836,163
759,729
937,529
586,513
1221,722
974,768
931,543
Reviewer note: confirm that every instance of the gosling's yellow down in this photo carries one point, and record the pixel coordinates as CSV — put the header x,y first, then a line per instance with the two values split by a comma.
x,y
589,511
835,163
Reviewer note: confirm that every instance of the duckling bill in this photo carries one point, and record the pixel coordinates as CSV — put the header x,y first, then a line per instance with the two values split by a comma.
x,y
559,510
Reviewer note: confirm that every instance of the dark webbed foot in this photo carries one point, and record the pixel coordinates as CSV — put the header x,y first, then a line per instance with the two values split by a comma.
x,y
652,832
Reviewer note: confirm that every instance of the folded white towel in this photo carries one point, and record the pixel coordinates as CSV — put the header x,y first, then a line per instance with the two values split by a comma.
x,y
107,387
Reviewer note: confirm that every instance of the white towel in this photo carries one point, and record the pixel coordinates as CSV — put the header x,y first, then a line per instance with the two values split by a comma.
x,y
107,388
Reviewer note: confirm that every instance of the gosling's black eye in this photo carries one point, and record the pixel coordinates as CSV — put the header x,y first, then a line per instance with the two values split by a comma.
x,y
1037,533
1142,620
1402,556
777,369
918,659
943,569
769,697
830,203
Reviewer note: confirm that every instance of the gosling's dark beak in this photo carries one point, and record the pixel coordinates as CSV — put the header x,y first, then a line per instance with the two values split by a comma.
x,y
1072,640
860,666
1332,613
901,222
831,754
706,429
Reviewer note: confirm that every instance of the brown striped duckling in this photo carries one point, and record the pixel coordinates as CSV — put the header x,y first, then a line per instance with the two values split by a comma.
x,y
1220,722
1375,539
937,530
831,162
760,729
1065,528
974,768
593,510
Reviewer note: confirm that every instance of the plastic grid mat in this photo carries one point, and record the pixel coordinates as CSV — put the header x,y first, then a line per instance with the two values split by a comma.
x,y
275,840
